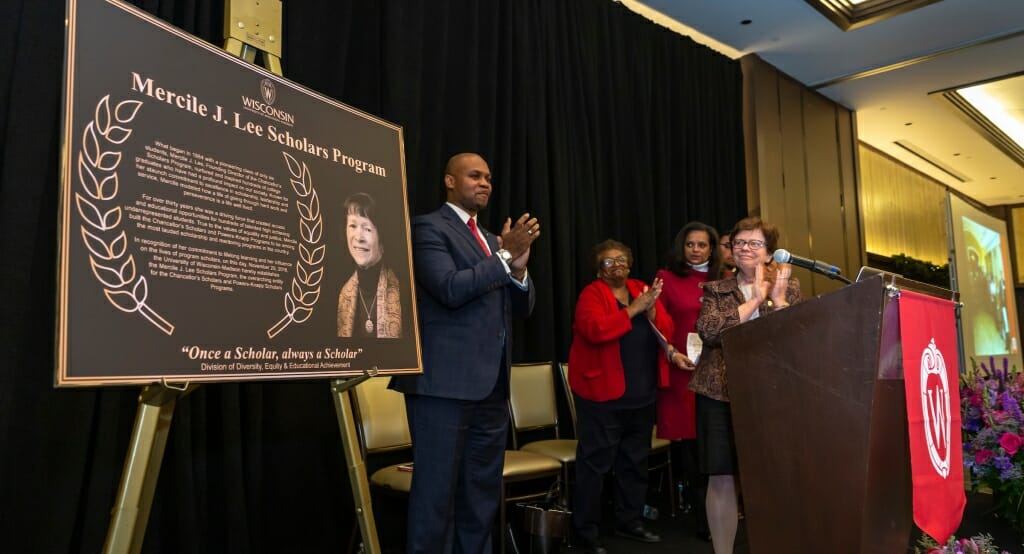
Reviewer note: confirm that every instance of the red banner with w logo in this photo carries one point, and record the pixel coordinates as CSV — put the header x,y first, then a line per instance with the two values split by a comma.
x,y
932,378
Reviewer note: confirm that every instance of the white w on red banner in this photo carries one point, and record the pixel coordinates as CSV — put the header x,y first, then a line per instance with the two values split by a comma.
x,y
931,376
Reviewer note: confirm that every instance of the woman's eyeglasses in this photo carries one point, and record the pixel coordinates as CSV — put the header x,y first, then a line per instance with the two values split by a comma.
x,y
608,262
753,244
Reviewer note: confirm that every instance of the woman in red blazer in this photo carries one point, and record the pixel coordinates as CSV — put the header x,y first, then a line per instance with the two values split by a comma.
x,y
615,366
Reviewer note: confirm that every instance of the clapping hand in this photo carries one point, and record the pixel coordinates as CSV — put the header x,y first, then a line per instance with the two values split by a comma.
x,y
646,301
517,240
760,292
778,293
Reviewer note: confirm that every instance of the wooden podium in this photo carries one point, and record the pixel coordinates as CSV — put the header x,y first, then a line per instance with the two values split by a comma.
x,y
819,414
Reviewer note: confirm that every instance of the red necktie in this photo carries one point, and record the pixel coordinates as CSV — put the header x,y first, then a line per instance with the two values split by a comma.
x,y
472,229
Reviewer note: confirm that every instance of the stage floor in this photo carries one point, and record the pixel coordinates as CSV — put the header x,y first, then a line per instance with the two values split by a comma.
x,y
678,535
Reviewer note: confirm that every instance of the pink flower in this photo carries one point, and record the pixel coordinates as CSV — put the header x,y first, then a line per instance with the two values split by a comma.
x,y
1011,442
983,456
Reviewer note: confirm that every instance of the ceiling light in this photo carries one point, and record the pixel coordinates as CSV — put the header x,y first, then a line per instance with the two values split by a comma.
x,y
986,99
995,109
851,14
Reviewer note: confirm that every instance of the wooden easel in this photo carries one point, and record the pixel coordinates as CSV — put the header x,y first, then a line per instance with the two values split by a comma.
x,y
251,29
142,467
354,460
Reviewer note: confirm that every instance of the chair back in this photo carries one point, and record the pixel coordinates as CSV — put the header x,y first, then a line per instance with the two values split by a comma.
x,y
532,400
563,371
380,416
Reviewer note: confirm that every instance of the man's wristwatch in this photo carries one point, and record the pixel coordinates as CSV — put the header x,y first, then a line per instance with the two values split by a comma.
x,y
504,255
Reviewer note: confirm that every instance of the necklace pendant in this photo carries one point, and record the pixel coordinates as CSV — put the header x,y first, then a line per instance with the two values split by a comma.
x,y
369,326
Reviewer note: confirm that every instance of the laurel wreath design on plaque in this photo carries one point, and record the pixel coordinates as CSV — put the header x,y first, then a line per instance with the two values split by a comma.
x,y
305,289
102,234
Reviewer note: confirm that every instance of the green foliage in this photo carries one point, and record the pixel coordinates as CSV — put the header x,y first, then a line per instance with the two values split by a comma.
x,y
920,270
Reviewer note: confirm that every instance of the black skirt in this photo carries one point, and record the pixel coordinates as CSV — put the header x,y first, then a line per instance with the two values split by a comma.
x,y
716,445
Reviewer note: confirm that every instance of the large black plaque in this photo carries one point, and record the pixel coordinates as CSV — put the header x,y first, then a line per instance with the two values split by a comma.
x,y
203,228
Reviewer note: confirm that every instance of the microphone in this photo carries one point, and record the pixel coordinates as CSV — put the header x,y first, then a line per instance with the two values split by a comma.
x,y
783,256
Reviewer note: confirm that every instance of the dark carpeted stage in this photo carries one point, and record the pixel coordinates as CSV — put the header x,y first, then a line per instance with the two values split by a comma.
x,y
678,535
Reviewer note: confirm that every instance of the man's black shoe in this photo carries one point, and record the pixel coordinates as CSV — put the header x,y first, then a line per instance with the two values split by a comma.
x,y
637,532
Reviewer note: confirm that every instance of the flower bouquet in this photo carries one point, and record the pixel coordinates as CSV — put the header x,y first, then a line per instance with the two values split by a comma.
x,y
981,544
993,436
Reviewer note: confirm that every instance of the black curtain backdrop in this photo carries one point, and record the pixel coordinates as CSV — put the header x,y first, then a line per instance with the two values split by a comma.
x,y
597,121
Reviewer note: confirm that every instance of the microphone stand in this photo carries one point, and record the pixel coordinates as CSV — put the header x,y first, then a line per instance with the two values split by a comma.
x,y
834,276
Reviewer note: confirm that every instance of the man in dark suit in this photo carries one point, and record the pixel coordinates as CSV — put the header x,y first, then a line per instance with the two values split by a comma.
x,y
469,286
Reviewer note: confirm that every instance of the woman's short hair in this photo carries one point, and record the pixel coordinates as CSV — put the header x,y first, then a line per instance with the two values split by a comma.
x,y
676,262
361,204
753,223
610,244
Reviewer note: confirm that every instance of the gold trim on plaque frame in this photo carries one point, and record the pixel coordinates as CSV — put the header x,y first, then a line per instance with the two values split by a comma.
x,y
62,377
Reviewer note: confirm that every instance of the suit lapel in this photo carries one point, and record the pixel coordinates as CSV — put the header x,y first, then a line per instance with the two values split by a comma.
x,y
462,230
492,240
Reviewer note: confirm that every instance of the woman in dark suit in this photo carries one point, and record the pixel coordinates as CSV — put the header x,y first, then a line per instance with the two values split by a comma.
x,y
615,366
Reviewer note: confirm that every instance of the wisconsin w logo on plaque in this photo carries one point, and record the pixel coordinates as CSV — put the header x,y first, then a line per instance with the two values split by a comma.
x,y
935,407
267,91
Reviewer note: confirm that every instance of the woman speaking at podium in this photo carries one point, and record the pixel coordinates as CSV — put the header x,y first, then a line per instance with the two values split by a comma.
x,y
760,286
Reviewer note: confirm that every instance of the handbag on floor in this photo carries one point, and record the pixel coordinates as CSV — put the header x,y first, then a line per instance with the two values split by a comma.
x,y
547,522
